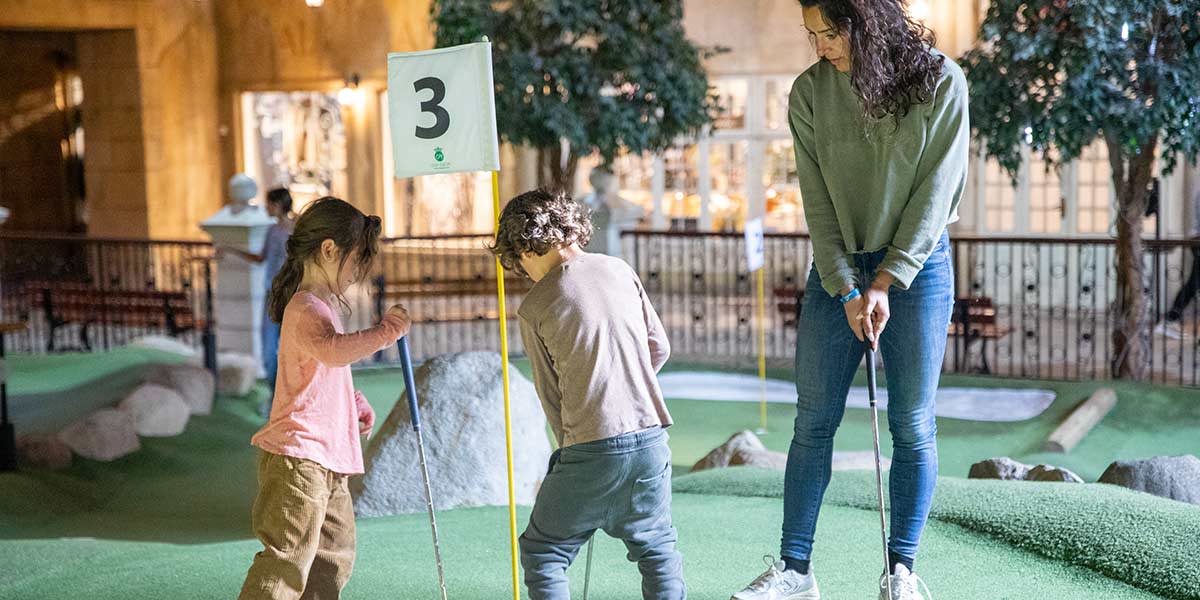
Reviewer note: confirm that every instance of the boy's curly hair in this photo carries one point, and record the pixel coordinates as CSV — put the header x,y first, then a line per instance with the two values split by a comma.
x,y
539,221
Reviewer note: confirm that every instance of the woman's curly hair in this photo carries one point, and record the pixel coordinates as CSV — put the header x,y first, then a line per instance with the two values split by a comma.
x,y
537,222
891,67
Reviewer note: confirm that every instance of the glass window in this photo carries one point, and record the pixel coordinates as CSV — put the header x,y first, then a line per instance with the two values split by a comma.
x,y
727,170
1045,197
731,99
999,199
635,176
778,90
1094,193
785,210
295,140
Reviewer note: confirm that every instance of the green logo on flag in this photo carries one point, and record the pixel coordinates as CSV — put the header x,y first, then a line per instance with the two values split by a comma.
x,y
437,154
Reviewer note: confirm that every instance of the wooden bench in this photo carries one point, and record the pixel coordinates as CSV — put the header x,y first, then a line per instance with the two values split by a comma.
x,y
788,300
64,303
974,318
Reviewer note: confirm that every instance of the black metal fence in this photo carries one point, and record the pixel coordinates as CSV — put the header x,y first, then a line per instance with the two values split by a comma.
x,y
448,284
83,293
1026,307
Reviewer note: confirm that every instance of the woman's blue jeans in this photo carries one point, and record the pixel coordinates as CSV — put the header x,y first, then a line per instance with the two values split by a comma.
x,y
827,355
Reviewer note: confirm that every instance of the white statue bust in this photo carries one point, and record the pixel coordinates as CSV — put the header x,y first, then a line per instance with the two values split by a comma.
x,y
3,215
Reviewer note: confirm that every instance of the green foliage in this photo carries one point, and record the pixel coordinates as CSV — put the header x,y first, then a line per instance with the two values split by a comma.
x,y
1057,74
604,74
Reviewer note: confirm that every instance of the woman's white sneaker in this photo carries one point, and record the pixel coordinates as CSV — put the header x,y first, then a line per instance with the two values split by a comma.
x,y
904,586
777,583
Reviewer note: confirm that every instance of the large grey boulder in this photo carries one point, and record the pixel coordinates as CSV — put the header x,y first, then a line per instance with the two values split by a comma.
x,y
1174,477
461,400
1055,474
104,435
195,384
999,468
157,411
745,449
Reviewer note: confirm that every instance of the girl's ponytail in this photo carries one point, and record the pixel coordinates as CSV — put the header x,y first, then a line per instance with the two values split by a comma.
x,y
285,284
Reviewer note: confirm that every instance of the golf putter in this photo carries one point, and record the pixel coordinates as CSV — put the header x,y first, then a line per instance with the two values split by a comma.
x,y
587,573
410,390
871,389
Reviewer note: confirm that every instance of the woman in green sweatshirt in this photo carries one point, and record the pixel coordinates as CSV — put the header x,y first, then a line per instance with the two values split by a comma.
x,y
881,140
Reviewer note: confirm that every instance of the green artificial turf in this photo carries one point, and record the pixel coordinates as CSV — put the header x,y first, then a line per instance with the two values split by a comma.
x,y
1147,541
172,521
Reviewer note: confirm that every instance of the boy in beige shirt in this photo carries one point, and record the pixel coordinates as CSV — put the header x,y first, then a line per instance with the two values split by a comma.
x,y
595,344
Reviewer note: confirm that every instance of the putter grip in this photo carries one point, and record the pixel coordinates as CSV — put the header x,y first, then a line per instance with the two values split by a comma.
x,y
410,385
870,373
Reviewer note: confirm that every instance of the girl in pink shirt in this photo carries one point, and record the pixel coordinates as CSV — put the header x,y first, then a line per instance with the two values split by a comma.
x,y
310,446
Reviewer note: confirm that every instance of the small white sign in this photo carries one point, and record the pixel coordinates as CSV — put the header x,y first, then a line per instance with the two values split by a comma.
x,y
755,245
442,111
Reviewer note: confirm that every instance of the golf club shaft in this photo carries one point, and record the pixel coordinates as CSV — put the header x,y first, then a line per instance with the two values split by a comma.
x,y
587,573
437,548
871,392
410,392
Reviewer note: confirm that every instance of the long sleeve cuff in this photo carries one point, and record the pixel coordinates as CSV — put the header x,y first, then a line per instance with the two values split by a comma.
x,y
902,266
838,281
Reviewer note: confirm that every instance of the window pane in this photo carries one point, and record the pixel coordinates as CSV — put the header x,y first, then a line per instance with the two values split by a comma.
x,y
681,198
1094,192
727,168
635,173
785,211
1045,198
731,99
999,198
778,89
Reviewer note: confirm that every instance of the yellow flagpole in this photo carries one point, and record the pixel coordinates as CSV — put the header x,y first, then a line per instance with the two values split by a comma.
x,y
762,353
508,448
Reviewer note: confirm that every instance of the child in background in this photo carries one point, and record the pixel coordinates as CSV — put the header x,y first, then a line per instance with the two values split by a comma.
x,y
595,344
274,251
310,445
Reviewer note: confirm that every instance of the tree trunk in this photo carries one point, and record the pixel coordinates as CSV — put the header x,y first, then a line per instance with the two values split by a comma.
x,y
1131,324
554,173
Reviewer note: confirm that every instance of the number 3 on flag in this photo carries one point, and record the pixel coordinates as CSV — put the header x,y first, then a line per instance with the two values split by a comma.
x,y
442,111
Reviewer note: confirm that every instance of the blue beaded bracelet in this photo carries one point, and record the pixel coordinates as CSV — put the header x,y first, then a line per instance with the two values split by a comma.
x,y
852,294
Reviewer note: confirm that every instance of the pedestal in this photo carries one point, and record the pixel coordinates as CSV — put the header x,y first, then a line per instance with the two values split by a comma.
x,y
240,288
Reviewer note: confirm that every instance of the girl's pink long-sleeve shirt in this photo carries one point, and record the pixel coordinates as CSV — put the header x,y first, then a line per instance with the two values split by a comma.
x,y
316,410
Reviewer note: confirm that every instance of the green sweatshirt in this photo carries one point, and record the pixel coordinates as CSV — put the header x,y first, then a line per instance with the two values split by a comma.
x,y
867,187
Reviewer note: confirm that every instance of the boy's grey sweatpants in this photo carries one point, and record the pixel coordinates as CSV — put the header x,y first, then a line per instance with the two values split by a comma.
x,y
621,485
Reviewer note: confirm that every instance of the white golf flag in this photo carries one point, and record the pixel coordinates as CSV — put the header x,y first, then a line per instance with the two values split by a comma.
x,y
443,111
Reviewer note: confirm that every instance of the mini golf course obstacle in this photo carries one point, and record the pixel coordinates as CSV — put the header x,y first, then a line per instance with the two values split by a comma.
x,y
1082,420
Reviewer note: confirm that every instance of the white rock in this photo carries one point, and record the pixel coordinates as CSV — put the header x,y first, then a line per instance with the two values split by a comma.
x,y
104,435
236,373
157,411
169,345
462,420
195,384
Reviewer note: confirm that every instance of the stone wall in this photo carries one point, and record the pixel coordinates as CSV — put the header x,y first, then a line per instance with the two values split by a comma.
x,y
149,69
